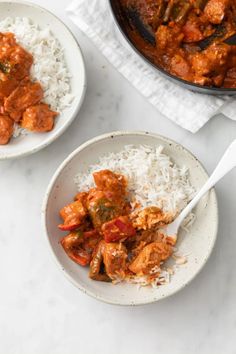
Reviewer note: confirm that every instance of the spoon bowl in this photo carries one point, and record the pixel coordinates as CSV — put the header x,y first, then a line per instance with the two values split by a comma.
x,y
226,164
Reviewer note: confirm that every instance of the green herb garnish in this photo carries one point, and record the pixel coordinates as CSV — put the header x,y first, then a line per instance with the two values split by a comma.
x,y
5,67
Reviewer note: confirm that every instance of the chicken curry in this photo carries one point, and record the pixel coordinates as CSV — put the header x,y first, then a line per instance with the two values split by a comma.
x,y
179,28
116,241
20,98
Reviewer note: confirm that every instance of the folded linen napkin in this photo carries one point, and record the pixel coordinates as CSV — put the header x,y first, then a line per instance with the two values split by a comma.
x,y
188,109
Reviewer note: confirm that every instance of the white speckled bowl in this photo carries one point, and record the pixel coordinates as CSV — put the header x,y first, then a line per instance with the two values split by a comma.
x,y
197,244
25,145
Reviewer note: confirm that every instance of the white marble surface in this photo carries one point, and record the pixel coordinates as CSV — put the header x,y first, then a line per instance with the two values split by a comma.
x,y
41,312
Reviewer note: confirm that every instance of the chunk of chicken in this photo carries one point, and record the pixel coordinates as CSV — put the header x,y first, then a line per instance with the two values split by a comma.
x,y
7,41
20,62
143,238
114,259
230,80
7,85
39,118
73,216
113,256
110,181
179,66
150,257
82,197
25,95
193,30
215,10
149,218
14,60
2,110
6,129
211,60
168,37
103,207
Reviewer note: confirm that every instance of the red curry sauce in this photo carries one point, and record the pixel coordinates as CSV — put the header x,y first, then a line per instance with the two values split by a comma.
x,y
20,97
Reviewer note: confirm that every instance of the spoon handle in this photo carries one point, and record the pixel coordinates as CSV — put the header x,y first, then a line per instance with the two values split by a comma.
x,y
231,40
226,164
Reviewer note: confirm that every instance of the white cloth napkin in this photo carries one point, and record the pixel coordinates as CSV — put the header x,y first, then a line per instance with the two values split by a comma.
x,y
188,109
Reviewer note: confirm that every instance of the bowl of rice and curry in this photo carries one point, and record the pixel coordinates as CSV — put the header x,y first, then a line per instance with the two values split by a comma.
x,y
105,215
42,78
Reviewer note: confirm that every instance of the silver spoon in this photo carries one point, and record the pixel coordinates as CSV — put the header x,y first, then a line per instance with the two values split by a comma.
x,y
226,164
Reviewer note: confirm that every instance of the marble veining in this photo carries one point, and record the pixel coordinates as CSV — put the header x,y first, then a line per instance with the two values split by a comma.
x,y
40,311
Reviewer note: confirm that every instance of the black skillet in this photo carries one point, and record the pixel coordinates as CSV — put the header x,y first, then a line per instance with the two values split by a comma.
x,y
127,20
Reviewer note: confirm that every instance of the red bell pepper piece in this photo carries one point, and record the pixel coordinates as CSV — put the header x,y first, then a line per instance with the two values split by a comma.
x,y
82,259
73,246
64,227
118,229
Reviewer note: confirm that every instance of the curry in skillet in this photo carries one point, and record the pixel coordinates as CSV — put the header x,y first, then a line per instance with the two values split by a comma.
x,y
179,27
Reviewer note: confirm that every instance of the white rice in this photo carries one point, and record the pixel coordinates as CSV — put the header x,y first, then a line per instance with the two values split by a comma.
x,y
153,179
49,67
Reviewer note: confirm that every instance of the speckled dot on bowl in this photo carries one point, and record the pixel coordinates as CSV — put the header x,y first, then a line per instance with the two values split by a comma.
x,y
197,244
25,145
